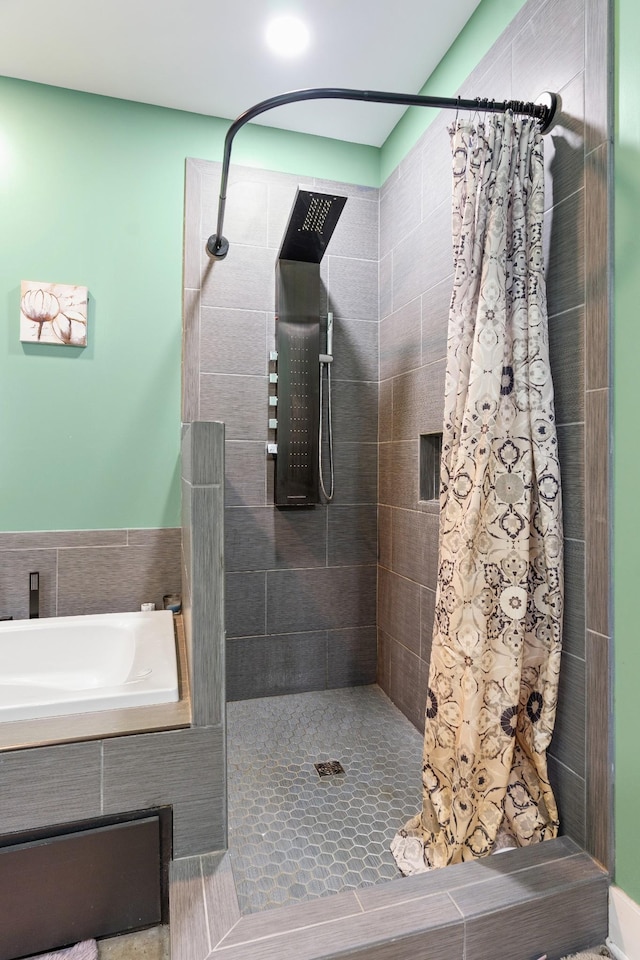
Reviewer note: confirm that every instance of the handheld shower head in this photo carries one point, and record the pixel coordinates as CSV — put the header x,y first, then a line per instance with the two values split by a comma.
x,y
330,333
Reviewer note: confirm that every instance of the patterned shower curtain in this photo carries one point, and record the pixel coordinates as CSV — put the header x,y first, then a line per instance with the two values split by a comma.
x,y
493,679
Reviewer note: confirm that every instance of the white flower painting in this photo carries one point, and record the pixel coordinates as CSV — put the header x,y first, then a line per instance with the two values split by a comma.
x,y
53,313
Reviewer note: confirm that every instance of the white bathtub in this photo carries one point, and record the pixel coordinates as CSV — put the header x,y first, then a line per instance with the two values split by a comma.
x,y
61,665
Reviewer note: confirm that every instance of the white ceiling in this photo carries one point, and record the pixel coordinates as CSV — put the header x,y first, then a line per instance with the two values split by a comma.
x,y
209,57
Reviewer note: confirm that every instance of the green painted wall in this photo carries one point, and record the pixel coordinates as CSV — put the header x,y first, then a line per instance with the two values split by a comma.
x,y
91,192
481,31
626,557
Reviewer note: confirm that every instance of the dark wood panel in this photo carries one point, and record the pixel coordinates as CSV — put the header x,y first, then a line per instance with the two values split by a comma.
x,y
76,886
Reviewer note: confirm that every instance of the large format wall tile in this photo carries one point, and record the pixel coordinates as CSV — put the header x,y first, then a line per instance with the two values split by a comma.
x,y
549,51
571,452
412,274
356,232
351,657
418,402
352,286
319,547
355,411
49,785
327,598
597,444
245,604
240,402
181,767
564,247
233,341
15,569
409,680
569,791
276,665
566,350
415,546
573,634
399,212
435,320
355,350
245,279
115,579
356,472
569,737
351,534
564,149
599,780
400,473
401,340
246,473
399,608
262,538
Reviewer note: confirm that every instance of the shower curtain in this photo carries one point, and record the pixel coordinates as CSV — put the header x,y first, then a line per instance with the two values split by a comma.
x,y
493,678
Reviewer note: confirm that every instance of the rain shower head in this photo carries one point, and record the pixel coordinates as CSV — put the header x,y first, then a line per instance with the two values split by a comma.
x,y
311,224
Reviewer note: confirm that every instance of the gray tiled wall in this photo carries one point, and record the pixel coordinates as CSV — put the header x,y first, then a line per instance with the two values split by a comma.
x,y
88,571
545,47
301,586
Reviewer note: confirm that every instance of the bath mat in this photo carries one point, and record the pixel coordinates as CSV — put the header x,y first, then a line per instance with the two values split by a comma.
x,y
85,950
596,954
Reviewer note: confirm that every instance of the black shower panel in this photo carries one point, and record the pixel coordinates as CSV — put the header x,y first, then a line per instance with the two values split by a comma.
x,y
311,224
298,384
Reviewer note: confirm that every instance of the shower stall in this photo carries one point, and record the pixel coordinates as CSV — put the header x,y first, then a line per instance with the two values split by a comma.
x,y
341,595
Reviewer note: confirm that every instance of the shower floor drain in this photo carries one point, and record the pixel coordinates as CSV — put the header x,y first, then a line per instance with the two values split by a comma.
x,y
329,768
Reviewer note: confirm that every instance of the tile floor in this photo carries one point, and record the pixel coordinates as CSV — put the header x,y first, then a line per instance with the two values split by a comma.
x,y
150,944
293,835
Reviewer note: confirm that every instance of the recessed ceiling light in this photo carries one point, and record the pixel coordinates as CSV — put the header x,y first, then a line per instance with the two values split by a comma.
x,y
287,36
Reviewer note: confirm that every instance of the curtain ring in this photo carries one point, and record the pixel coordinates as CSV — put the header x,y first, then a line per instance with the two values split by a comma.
x,y
477,110
457,109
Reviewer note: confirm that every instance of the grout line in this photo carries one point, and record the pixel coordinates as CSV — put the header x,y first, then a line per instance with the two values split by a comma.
x,y
204,904
355,893
102,776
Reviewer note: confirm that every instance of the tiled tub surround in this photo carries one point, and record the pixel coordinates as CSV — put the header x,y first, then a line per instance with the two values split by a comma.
x,y
88,571
112,762
105,723
49,785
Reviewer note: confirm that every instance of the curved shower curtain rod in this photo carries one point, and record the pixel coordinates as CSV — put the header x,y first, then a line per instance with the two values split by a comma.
x,y
544,110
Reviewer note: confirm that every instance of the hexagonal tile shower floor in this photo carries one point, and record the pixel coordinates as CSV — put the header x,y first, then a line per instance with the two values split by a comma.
x,y
295,835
